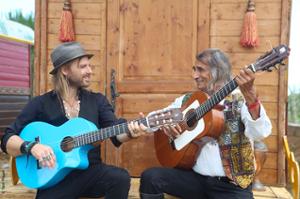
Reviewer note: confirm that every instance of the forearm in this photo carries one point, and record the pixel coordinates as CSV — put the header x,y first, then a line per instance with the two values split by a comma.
x,y
252,103
13,145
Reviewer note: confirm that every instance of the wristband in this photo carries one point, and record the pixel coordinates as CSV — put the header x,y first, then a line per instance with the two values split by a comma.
x,y
27,146
254,104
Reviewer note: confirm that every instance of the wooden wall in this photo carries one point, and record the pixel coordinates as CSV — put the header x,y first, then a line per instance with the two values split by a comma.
x,y
223,27
90,23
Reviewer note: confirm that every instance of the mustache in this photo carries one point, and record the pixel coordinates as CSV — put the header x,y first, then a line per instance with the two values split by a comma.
x,y
87,75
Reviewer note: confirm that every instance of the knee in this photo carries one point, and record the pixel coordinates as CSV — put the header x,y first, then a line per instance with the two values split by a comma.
x,y
150,176
123,177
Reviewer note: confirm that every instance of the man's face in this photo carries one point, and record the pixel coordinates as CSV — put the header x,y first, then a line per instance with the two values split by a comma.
x,y
201,75
80,73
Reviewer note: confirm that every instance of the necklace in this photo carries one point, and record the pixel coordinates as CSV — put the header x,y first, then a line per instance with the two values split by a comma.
x,y
72,110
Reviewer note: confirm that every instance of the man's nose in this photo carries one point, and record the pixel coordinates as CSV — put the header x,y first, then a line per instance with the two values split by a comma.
x,y
195,75
89,69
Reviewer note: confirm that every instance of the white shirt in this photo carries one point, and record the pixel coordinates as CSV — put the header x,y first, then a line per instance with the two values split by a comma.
x,y
209,160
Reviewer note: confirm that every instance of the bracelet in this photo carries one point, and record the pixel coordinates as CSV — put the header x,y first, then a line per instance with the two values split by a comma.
x,y
27,146
254,104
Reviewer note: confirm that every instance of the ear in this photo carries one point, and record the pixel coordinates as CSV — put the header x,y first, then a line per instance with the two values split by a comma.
x,y
65,70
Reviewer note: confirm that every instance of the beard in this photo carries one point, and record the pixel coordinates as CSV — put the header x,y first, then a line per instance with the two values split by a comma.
x,y
82,82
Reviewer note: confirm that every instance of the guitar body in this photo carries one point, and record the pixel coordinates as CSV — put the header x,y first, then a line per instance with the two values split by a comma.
x,y
181,153
34,176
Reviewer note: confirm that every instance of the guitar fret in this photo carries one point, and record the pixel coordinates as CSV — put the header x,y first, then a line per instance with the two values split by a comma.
x,y
119,129
82,140
113,131
79,139
89,138
215,99
86,139
102,134
94,136
124,129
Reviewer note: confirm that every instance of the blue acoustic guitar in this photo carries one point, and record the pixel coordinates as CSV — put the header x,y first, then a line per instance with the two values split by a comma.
x,y
71,143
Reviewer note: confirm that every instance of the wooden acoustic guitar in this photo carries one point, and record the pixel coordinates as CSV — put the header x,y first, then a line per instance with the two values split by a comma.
x,y
202,118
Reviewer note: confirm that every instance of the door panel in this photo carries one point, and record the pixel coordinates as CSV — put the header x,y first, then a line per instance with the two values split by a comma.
x,y
151,45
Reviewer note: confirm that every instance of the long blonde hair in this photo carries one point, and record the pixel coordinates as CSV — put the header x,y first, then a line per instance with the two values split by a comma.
x,y
60,81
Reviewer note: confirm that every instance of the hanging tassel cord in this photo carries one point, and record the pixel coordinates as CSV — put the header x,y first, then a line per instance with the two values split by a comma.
x,y
249,36
66,28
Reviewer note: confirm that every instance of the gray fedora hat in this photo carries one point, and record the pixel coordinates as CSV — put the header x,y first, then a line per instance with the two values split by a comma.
x,y
65,53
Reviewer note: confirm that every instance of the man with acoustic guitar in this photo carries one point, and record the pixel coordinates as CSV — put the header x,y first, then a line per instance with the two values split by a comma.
x,y
69,100
223,166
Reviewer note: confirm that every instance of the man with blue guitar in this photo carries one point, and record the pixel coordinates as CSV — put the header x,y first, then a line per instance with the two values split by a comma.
x,y
210,154
52,137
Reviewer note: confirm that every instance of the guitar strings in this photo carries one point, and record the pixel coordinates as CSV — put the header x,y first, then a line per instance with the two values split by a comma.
x,y
88,134
222,91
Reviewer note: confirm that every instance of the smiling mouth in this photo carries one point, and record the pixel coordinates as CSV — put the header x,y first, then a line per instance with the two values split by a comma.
x,y
86,79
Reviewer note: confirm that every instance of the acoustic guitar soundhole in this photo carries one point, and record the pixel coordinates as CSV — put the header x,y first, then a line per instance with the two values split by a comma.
x,y
191,119
67,144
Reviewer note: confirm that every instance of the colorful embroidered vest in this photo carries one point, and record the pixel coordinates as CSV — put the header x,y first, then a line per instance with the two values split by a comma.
x,y
235,148
236,151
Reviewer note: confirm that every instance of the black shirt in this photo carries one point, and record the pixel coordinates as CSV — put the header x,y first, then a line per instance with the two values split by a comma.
x,y
49,108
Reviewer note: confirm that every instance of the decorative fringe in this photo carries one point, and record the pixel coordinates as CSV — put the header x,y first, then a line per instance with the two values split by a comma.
x,y
249,35
66,28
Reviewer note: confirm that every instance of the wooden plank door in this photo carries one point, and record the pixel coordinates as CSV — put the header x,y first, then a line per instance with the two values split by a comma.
x,y
151,46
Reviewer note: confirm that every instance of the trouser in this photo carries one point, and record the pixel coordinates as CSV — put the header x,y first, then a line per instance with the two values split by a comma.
x,y
96,181
188,184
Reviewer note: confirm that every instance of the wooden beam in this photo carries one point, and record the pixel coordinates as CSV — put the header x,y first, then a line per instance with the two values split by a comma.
x,y
282,97
40,48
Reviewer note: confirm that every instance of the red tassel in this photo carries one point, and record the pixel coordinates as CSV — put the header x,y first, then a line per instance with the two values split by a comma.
x,y
66,28
249,35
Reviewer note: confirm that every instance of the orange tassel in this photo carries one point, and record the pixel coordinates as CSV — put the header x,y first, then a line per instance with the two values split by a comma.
x,y
249,35
66,28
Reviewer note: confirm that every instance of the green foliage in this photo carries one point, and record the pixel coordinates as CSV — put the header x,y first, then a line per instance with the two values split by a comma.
x,y
294,107
18,17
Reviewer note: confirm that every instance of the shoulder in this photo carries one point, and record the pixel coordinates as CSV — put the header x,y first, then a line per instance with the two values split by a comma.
x,y
89,93
177,103
94,96
43,97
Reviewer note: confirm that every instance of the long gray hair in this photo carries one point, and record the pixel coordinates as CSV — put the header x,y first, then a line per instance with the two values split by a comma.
x,y
219,64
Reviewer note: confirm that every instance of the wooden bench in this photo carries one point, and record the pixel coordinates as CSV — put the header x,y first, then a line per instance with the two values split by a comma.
x,y
20,192
12,189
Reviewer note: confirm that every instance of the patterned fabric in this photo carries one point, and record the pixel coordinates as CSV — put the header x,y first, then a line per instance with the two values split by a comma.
x,y
236,150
